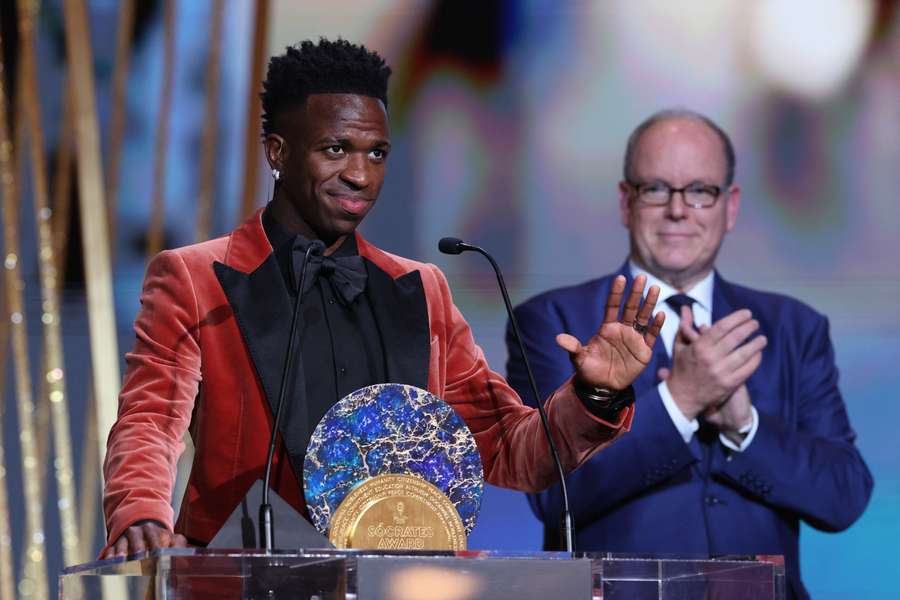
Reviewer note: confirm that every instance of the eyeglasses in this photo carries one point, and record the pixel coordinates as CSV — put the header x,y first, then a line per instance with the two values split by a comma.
x,y
659,193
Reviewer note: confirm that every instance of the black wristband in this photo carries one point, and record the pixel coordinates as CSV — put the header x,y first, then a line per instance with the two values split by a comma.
x,y
604,403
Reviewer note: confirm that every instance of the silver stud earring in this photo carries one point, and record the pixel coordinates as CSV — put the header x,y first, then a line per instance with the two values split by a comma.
x,y
276,174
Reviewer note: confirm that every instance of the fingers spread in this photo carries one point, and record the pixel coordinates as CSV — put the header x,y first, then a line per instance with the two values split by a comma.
x,y
644,314
614,300
653,331
634,300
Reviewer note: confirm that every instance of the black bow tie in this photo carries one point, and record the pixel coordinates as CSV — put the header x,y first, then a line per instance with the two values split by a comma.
x,y
346,274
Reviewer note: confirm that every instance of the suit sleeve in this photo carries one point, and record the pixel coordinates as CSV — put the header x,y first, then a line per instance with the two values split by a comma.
x,y
812,469
510,437
652,451
161,382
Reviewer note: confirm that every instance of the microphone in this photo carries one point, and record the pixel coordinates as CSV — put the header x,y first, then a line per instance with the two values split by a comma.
x,y
450,245
266,522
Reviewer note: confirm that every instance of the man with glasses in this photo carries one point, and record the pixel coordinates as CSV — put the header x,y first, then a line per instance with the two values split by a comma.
x,y
740,431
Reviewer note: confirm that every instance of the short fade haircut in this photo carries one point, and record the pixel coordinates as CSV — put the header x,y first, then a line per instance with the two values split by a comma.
x,y
672,114
337,67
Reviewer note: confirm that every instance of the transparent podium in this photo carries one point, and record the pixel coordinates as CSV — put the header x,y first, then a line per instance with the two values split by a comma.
x,y
197,574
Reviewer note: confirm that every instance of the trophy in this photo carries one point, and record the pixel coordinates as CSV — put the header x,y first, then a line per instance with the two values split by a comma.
x,y
393,467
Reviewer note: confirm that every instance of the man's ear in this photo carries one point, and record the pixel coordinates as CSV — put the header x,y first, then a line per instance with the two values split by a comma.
x,y
276,150
625,203
733,204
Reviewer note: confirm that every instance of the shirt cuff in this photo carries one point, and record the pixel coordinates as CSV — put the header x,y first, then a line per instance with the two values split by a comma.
x,y
748,431
687,428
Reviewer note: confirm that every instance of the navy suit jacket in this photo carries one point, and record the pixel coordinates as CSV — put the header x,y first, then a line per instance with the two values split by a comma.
x,y
651,492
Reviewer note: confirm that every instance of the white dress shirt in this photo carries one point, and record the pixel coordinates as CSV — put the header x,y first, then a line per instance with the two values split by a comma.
x,y
702,293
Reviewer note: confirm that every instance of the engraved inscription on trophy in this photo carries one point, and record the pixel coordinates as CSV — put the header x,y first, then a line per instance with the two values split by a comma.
x,y
397,512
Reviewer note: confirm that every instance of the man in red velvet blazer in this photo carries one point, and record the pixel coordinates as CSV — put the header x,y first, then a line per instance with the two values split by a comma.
x,y
214,322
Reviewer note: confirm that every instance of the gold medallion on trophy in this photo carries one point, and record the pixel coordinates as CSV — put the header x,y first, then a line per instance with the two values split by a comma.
x,y
397,512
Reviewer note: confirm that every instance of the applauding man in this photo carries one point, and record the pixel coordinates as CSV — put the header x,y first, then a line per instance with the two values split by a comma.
x,y
741,431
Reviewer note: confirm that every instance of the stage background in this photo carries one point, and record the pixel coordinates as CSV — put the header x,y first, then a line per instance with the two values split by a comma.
x,y
509,120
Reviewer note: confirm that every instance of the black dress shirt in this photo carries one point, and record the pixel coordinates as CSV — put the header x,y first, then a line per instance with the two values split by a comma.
x,y
340,344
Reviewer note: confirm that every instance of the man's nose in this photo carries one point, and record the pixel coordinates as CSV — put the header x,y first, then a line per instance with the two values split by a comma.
x,y
676,207
356,172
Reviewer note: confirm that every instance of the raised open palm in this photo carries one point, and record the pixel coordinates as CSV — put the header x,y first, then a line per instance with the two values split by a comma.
x,y
623,346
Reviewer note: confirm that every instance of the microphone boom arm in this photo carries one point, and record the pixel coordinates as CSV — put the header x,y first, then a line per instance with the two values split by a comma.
x,y
266,521
457,246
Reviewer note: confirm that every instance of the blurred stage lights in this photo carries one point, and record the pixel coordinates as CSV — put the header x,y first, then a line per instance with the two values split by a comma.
x,y
809,48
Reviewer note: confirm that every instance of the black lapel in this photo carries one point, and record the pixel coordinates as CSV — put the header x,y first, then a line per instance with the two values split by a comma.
x,y
401,313
262,307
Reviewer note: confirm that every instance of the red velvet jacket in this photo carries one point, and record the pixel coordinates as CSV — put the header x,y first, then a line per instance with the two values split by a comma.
x,y
207,353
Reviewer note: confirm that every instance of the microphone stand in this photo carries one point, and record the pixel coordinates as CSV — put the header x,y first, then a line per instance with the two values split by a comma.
x,y
457,246
266,522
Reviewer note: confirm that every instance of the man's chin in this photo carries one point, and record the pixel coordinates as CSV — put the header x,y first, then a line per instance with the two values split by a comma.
x,y
673,267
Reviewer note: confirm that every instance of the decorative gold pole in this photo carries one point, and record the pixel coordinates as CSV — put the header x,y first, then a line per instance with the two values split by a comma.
x,y
101,316
62,186
89,484
6,565
208,161
249,195
124,33
89,490
157,212
33,583
54,374
59,223
7,577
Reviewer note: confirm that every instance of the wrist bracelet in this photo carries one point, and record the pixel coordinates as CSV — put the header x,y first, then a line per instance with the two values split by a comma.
x,y
600,395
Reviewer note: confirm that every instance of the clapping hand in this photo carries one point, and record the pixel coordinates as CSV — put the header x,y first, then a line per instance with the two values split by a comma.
x,y
711,366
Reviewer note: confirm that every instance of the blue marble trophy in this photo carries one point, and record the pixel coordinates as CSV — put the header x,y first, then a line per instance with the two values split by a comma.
x,y
393,467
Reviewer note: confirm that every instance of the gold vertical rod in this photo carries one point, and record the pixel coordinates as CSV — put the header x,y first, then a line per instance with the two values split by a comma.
x,y
94,236
7,578
54,373
33,583
88,491
59,224
4,348
62,188
89,483
118,110
208,160
6,565
42,408
101,316
157,212
249,194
